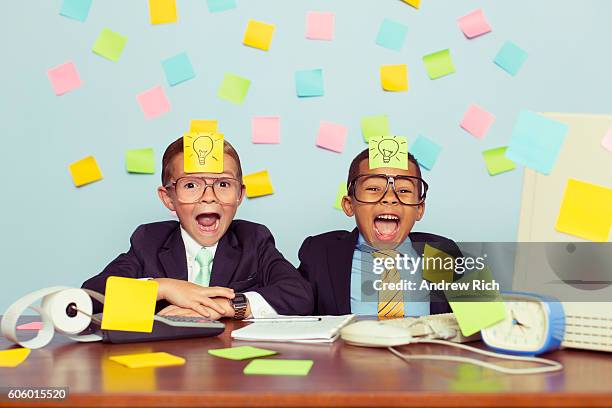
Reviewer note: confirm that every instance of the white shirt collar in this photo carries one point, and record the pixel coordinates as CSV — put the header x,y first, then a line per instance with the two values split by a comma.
x,y
192,247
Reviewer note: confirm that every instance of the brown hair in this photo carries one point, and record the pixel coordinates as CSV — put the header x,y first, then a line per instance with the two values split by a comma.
x,y
364,155
176,147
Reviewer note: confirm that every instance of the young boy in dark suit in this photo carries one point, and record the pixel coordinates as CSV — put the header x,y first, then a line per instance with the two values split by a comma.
x,y
209,264
386,203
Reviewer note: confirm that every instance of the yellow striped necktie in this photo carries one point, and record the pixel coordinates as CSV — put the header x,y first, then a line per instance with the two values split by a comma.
x,y
390,302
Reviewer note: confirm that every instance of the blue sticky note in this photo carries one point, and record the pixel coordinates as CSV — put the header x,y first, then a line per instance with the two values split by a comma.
x,y
391,35
178,69
309,83
536,141
511,58
215,6
425,151
76,9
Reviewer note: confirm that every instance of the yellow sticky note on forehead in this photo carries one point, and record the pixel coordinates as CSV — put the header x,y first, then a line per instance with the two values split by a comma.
x,y
129,304
203,152
388,151
203,126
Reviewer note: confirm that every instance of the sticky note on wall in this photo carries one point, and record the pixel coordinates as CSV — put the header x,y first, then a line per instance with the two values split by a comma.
x,y
414,3
178,69
309,83
497,162
511,58
258,35
477,121
129,304
140,161
332,136
391,35
320,25
85,171
586,211
388,151
266,129
76,9
234,88
425,151
109,44
394,78
474,24
342,191
162,11
439,64
258,184
153,102
203,152
64,78
216,6
376,125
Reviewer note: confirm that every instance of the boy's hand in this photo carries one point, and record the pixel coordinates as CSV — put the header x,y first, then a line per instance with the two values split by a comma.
x,y
188,295
173,310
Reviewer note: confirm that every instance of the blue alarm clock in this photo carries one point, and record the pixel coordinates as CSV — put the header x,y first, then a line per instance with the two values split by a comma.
x,y
534,324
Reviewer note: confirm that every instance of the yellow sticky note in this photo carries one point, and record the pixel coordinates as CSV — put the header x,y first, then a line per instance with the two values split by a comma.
x,y
394,78
129,304
258,35
85,171
13,357
258,184
586,211
203,126
203,152
118,378
438,266
162,11
160,359
414,3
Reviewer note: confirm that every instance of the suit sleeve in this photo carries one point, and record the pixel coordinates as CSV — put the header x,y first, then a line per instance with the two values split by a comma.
x,y
282,286
306,268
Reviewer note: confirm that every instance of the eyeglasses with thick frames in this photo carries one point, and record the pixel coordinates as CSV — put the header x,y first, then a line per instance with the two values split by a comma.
x,y
190,189
372,188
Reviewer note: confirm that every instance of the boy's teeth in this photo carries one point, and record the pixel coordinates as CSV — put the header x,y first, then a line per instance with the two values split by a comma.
x,y
388,217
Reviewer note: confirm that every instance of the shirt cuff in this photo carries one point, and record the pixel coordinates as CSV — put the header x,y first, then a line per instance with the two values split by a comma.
x,y
259,307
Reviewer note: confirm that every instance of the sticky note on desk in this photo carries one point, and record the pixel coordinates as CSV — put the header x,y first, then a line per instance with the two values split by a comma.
x,y
109,44
153,102
241,353
216,6
278,367
258,35
129,304
162,11
85,171
477,121
391,35
586,211
394,78
309,83
140,161
64,78
377,125
30,326
234,88
76,9
474,24
425,151
388,151
536,141
320,25
258,184
439,64
159,359
511,58
13,357
497,162
203,152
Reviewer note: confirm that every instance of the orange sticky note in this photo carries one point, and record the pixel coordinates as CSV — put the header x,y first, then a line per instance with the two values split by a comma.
x,y
258,35
394,78
163,11
85,171
129,304
258,184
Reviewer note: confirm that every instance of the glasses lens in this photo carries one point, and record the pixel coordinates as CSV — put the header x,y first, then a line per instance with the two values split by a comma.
x,y
227,190
409,190
191,189
370,189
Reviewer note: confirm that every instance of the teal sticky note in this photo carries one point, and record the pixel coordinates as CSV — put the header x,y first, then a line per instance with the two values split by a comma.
x,y
265,366
309,83
140,161
511,58
241,353
178,69
391,35
109,44
76,9
425,151
216,6
536,141
234,88
439,64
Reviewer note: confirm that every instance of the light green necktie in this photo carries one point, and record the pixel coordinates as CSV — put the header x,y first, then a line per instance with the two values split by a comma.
x,y
204,258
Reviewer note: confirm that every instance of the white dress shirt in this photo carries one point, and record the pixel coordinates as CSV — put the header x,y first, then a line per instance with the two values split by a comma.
x,y
259,306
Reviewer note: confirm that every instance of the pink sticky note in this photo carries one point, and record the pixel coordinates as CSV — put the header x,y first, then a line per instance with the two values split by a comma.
x,y
30,326
477,121
153,102
64,78
332,136
474,24
266,129
606,142
320,25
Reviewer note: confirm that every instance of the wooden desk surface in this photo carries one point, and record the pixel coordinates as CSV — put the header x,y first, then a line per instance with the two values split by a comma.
x,y
342,375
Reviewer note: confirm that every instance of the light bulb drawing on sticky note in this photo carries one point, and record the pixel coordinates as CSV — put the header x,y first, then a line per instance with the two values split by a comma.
x,y
388,151
203,152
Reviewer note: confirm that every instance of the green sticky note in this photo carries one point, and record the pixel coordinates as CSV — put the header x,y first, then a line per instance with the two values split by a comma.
x,y
109,44
140,161
241,353
278,367
439,64
234,88
375,126
389,151
497,162
342,191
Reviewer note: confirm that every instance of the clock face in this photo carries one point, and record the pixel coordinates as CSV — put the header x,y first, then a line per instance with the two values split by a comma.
x,y
524,329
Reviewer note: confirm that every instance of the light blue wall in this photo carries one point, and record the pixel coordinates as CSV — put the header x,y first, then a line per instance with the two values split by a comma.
x,y
53,233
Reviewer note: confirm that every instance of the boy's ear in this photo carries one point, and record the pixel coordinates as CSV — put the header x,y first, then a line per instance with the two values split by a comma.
x,y
165,198
347,206
242,194
420,211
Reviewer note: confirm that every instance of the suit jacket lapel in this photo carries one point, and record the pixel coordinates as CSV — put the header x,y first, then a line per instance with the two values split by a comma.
x,y
340,263
172,256
226,260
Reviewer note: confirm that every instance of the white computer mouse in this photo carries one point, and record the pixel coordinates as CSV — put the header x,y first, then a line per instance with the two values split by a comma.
x,y
372,333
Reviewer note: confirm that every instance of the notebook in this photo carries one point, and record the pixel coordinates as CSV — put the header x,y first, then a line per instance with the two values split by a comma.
x,y
325,330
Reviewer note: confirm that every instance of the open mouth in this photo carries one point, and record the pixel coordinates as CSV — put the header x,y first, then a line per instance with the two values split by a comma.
x,y
208,222
386,226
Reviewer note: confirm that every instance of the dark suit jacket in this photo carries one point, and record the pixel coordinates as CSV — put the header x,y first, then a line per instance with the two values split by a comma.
x,y
246,259
326,261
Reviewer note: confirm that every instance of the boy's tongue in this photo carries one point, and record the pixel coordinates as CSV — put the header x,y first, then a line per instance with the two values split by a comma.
x,y
385,226
207,219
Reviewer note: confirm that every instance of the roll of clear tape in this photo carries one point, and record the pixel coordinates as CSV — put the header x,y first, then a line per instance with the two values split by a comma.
x,y
56,313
